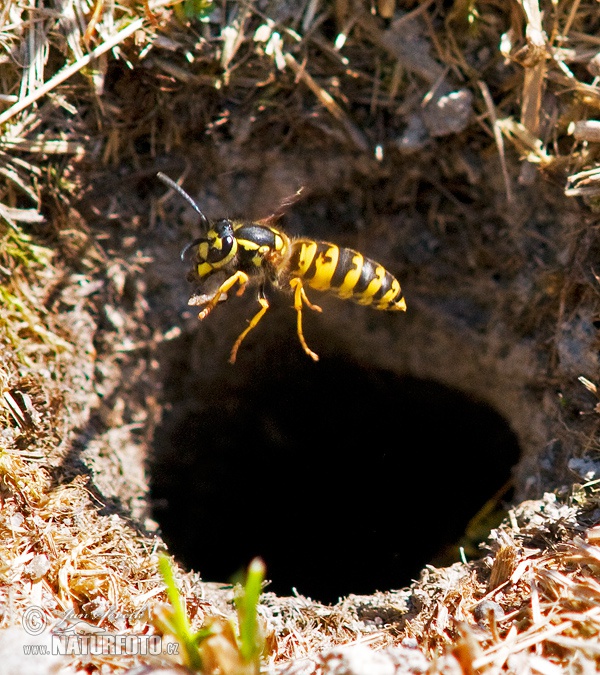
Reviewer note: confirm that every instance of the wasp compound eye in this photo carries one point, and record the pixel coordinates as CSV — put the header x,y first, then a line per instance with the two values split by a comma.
x,y
220,249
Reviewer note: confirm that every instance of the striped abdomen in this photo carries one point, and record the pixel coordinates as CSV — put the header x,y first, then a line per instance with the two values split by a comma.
x,y
345,272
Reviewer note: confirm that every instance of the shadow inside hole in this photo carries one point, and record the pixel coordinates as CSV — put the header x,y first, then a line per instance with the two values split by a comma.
x,y
344,479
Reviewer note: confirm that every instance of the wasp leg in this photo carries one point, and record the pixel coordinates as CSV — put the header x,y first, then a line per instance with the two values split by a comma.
x,y
264,306
299,298
240,278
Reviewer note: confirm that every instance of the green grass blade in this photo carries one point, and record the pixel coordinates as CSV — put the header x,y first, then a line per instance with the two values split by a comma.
x,y
251,639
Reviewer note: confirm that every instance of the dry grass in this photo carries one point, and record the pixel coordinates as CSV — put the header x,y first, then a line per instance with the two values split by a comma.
x,y
327,75
530,604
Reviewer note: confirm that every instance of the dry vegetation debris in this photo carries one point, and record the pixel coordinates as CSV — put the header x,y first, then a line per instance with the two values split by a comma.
x,y
86,86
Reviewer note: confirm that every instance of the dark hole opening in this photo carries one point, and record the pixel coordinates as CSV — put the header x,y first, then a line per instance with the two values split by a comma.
x,y
344,479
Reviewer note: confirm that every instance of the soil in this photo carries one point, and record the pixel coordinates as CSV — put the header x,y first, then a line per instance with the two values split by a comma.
x,y
126,431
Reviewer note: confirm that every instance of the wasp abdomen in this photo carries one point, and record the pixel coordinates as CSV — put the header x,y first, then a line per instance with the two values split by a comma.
x,y
347,273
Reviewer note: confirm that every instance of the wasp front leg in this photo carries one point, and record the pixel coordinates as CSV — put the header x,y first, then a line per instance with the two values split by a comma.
x,y
264,306
240,278
299,299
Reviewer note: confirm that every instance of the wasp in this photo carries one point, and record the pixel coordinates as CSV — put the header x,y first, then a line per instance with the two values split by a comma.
x,y
242,253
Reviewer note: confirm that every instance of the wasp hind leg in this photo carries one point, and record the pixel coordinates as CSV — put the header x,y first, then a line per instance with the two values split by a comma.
x,y
240,278
264,306
299,299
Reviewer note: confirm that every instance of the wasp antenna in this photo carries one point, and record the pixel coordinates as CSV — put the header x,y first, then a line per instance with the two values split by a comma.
x,y
187,247
180,191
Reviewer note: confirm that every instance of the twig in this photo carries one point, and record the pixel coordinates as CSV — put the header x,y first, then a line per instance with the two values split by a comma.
x,y
489,103
328,102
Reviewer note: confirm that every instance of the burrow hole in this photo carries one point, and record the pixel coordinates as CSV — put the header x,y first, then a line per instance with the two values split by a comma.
x,y
344,479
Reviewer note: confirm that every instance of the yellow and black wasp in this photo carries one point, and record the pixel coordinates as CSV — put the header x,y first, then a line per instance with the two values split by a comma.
x,y
241,252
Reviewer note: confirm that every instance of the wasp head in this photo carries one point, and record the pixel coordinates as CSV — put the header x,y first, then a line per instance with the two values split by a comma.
x,y
214,251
